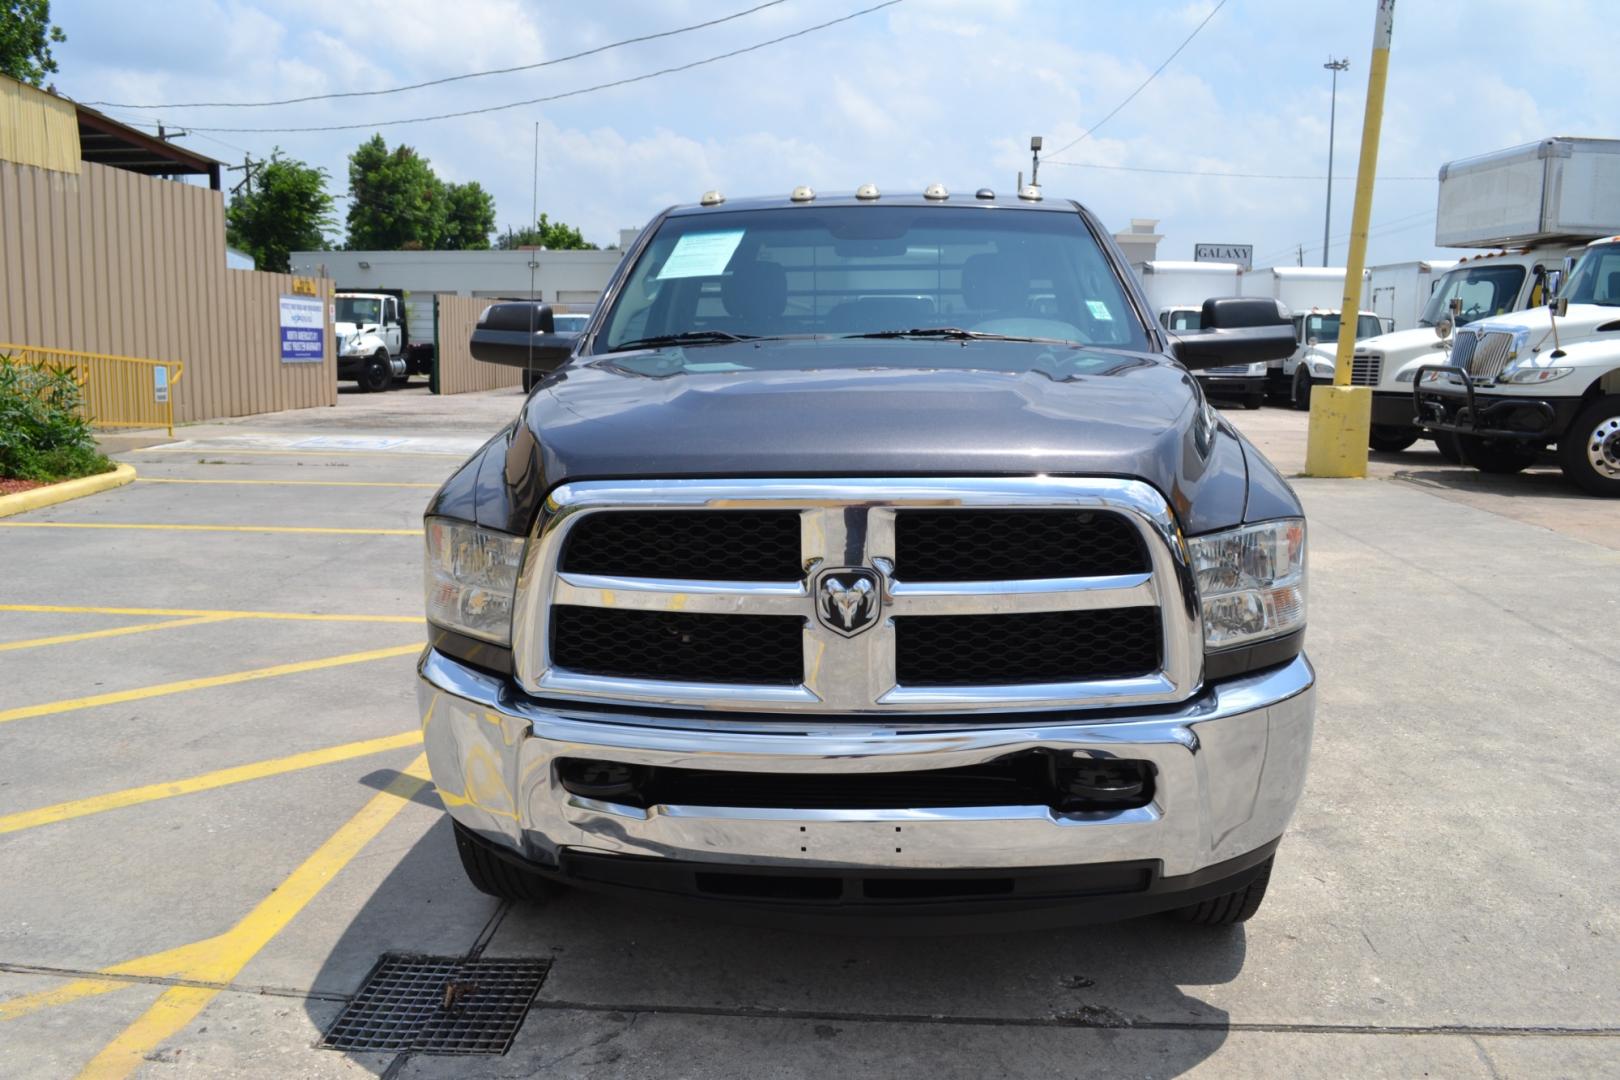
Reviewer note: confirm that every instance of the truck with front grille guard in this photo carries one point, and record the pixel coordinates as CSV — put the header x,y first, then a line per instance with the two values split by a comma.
x,y
869,556
1548,376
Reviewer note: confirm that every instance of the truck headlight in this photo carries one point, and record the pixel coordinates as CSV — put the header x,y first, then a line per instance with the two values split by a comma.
x,y
471,579
1406,376
1251,581
1535,374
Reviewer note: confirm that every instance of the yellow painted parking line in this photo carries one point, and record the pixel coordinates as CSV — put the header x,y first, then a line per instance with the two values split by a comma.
x,y
292,616
117,631
232,950
117,800
166,527
287,483
52,708
220,959
311,451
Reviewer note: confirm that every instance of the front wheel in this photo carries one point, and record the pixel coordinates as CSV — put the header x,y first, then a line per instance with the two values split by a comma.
x,y
1390,439
1446,443
1589,452
1233,907
1497,456
1302,389
501,878
378,374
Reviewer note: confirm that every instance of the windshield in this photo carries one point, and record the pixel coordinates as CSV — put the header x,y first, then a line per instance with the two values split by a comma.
x,y
842,271
1325,327
1182,319
1596,279
358,309
1484,290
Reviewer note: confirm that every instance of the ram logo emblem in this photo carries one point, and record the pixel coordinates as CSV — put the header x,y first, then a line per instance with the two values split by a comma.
x,y
848,599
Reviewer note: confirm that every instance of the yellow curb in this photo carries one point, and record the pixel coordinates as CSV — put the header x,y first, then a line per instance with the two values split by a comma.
x,y
51,494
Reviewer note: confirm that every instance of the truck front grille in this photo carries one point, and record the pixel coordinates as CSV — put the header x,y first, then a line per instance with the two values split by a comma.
x,y
713,545
1462,348
1040,647
1490,355
1365,369
1005,545
741,649
858,596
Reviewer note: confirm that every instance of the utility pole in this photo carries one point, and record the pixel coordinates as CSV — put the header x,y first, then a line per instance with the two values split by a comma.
x,y
1341,413
1299,255
1334,66
246,169
1034,162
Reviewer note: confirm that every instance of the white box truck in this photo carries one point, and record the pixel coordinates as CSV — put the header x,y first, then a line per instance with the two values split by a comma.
x,y
1314,294
1398,292
1543,203
1177,291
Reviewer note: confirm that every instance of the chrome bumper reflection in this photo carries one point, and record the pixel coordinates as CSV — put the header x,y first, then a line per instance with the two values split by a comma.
x,y
1231,765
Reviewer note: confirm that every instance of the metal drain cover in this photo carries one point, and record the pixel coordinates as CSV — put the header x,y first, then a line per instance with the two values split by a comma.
x,y
438,1005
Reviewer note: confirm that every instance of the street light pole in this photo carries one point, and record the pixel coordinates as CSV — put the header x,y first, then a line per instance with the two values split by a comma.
x,y
1334,66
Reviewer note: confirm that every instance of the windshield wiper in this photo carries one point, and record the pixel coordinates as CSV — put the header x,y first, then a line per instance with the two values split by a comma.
x,y
956,333
689,337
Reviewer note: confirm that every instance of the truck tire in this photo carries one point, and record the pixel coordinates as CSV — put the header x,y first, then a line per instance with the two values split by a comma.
x,y
499,877
1254,401
1446,443
1233,907
530,378
1302,389
1390,439
378,374
1497,456
1589,452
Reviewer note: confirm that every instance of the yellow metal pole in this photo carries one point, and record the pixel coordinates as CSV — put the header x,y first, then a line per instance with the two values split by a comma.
x,y
1341,413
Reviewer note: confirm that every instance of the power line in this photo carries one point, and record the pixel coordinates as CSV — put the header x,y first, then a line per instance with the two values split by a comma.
x,y
1381,228
1206,172
447,79
564,94
1156,71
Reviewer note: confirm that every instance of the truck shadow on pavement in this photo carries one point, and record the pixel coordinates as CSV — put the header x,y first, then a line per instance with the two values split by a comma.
x,y
1112,993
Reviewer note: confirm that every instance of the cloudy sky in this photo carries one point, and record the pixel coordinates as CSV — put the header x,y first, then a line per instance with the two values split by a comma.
x,y
918,91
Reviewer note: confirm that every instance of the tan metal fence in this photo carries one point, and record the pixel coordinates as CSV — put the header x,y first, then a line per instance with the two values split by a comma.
x,y
119,391
459,373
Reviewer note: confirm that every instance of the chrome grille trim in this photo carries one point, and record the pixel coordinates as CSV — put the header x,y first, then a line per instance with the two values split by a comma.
x,y
1490,355
1365,369
1462,347
851,523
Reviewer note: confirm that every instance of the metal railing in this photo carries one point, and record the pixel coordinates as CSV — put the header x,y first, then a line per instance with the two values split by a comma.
x,y
119,391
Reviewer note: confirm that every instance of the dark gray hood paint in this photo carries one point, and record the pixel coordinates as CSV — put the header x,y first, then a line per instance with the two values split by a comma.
x,y
1140,417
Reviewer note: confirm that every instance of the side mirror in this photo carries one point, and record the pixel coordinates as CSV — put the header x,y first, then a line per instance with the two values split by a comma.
x,y
1237,330
521,334
1559,306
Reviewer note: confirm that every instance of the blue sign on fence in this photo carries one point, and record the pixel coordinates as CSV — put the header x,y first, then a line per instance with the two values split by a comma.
x,y
303,330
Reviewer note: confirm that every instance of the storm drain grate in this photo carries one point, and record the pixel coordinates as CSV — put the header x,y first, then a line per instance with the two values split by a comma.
x,y
438,1005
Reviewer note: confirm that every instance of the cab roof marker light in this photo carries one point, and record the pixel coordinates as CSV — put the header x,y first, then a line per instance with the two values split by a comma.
x,y
803,193
711,198
1029,193
936,193
866,192
984,193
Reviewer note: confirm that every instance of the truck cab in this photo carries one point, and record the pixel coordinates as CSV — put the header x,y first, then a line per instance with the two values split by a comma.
x,y
373,341
1315,357
872,556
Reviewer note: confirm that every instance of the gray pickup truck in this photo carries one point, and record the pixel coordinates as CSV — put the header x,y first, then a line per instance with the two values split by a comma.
x,y
872,556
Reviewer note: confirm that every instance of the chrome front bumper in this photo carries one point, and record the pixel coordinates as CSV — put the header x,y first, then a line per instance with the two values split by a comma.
x,y
1230,767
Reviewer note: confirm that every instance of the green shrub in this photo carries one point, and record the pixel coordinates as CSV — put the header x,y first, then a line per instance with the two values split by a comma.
x,y
44,435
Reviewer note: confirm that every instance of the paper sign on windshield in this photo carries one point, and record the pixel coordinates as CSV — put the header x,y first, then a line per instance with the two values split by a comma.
x,y
701,254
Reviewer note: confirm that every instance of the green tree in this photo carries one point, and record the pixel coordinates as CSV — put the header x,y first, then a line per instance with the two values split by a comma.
x,y
395,200
469,217
545,233
287,209
26,37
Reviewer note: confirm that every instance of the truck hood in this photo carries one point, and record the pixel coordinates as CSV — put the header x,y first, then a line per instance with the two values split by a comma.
x,y
344,329
1403,349
816,414
1583,321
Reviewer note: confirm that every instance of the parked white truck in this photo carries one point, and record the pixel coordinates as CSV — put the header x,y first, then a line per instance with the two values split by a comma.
x,y
1545,376
1398,292
1541,203
374,341
1177,291
1314,295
